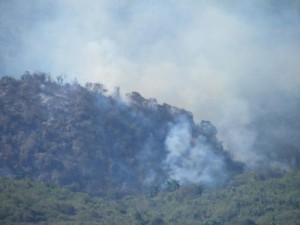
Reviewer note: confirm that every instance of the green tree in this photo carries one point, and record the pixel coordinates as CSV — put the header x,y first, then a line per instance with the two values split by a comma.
x,y
172,185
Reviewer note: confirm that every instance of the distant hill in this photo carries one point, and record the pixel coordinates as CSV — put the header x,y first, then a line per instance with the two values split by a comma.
x,y
85,139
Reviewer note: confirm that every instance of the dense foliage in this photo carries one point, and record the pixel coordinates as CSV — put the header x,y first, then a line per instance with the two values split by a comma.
x,y
246,200
88,140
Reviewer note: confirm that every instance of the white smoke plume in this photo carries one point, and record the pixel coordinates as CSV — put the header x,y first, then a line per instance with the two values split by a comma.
x,y
191,160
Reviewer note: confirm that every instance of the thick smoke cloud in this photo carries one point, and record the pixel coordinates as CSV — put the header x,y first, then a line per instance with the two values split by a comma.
x,y
191,160
235,63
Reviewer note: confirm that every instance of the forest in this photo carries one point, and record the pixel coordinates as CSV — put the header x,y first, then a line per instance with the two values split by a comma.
x,y
71,153
247,200
84,139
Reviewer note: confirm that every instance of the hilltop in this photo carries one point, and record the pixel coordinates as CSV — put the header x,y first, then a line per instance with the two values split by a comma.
x,y
85,139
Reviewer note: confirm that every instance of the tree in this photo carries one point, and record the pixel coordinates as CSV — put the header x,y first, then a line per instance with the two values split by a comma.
x,y
172,185
153,191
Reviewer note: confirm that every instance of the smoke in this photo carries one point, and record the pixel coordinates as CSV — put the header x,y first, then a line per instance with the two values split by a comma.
x,y
191,160
234,63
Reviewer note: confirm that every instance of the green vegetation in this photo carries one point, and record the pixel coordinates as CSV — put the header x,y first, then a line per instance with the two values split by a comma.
x,y
247,199
39,203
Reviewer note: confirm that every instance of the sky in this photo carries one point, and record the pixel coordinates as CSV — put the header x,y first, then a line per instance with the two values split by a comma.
x,y
235,63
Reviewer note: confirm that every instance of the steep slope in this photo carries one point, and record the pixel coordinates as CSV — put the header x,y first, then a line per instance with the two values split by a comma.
x,y
87,140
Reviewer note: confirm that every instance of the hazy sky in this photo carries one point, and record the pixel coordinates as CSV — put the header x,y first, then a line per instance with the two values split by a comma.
x,y
223,60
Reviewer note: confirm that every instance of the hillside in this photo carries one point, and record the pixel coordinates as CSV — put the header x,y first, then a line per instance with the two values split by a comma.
x,y
246,200
73,154
85,139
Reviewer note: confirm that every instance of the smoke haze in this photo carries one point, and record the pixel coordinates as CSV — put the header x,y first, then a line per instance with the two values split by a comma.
x,y
234,63
193,161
